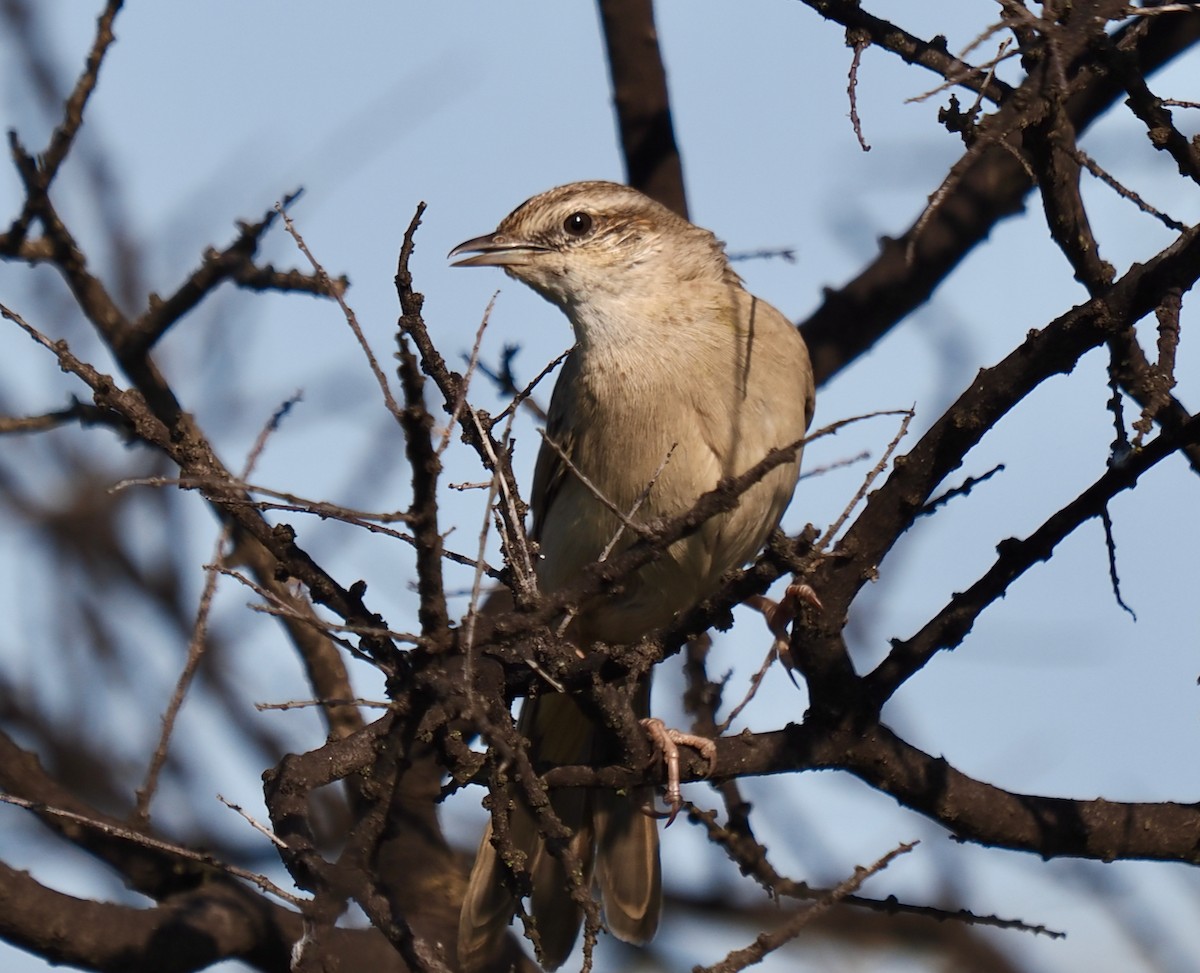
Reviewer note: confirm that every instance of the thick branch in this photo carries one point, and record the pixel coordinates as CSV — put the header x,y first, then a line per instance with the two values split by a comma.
x,y
991,187
972,809
642,103
912,49
950,626
148,870
1053,350
192,932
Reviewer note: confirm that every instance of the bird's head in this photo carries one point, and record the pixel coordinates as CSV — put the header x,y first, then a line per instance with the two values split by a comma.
x,y
588,243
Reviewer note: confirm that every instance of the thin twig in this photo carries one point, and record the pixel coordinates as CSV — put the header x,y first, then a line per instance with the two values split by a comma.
x,y
1110,546
1121,446
327,628
859,40
870,478
813,471
1123,191
641,498
1002,54
320,508
1162,372
371,521
157,844
517,543
308,703
351,318
661,533
751,692
1166,8
962,490
768,942
477,577
523,397
63,137
929,54
951,182
472,363
82,412
737,840
256,825
625,520
786,254
280,609
198,644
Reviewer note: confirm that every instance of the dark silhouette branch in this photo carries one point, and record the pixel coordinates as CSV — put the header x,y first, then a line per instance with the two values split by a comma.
x,y
642,102
952,624
991,185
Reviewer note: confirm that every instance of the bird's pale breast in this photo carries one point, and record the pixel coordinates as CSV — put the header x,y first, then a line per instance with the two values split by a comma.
x,y
710,403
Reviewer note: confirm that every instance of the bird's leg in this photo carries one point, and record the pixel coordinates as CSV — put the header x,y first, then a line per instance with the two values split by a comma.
x,y
780,614
669,740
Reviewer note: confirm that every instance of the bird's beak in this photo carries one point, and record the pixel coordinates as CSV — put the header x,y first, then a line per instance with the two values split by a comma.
x,y
495,250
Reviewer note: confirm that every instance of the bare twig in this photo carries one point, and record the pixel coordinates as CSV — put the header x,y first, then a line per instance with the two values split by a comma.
x,y
768,942
64,134
523,396
962,490
910,48
1110,546
308,703
1125,192
256,825
351,318
1002,54
81,412
474,604
472,362
281,609
1166,8
1162,372
199,640
947,629
738,842
637,503
145,841
786,254
872,475
751,692
859,40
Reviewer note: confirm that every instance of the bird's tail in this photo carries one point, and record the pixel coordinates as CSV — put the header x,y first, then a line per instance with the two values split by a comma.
x,y
611,835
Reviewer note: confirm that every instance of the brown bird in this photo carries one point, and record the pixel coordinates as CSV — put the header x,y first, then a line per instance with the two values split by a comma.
x,y
678,371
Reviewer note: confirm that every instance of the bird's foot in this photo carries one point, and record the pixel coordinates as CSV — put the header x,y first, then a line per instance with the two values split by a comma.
x,y
669,740
780,614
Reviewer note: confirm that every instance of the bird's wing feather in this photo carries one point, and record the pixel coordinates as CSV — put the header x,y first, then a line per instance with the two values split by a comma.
x,y
550,472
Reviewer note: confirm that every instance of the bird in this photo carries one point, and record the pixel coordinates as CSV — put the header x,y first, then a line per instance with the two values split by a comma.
x,y
678,377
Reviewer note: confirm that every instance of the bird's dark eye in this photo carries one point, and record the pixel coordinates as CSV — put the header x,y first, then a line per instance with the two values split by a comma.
x,y
577,224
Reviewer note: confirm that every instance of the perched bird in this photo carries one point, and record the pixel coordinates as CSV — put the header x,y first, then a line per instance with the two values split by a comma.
x,y
676,371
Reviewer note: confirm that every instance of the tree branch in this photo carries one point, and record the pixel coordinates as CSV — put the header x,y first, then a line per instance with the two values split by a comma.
x,y
642,102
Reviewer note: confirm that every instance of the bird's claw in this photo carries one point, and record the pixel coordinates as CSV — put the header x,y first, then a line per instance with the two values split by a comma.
x,y
669,740
780,614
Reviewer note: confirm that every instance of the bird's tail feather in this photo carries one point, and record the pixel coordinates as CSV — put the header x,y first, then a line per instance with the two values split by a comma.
x,y
628,869
610,831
